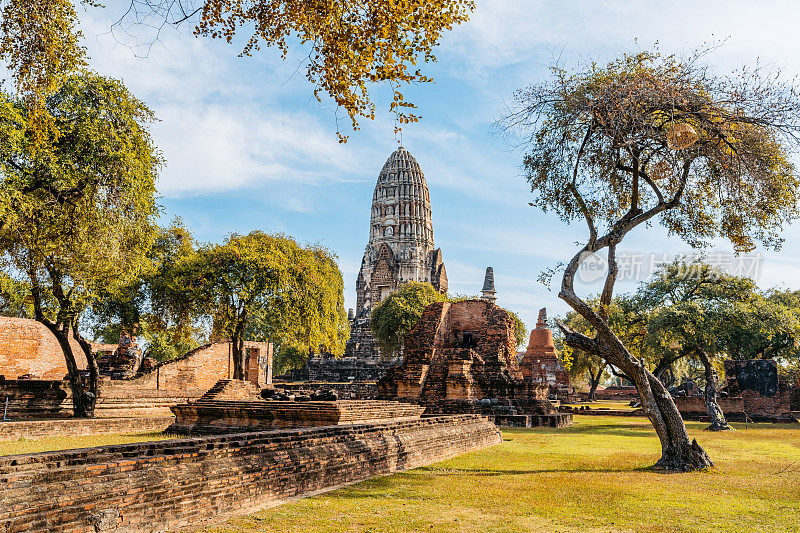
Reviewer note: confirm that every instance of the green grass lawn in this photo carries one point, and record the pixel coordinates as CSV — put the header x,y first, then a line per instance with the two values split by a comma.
x,y
591,477
46,444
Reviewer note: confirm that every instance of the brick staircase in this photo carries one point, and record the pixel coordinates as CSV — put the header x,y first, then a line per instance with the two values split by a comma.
x,y
231,389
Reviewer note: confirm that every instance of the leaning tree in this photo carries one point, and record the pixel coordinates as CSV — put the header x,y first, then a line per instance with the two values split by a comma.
x,y
654,138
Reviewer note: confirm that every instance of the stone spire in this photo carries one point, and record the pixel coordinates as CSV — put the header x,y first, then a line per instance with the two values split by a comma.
x,y
542,322
400,247
488,292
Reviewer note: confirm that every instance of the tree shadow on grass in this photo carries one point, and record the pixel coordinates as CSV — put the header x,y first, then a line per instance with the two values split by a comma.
x,y
499,472
602,429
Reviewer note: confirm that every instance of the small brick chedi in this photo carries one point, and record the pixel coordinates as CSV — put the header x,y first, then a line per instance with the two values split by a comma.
x,y
460,358
400,247
541,364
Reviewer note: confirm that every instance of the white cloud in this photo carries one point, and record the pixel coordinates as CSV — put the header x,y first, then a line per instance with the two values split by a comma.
x,y
503,33
222,127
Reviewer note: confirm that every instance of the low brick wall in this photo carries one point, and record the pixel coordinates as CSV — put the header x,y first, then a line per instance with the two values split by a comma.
x,y
350,390
756,407
36,429
157,486
31,399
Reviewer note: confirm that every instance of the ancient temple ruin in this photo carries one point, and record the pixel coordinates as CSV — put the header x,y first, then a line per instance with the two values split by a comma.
x,y
400,247
460,358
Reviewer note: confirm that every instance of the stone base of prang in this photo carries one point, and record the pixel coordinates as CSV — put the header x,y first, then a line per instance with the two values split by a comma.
x,y
166,485
230,416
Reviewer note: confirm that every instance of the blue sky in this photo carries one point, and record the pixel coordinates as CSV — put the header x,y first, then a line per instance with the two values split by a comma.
x,y
248,147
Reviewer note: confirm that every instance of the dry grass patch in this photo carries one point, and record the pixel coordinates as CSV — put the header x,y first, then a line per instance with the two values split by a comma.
x,y
49,444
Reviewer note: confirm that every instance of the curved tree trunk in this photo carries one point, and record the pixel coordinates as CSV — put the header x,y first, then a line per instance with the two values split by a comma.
x,y
92,390
715,414
678,453
84,392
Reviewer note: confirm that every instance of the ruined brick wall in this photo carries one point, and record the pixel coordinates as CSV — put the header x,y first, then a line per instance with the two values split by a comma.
x,y
35,429
165,485
150,394
28,399
464,351
755,407
352,390
616,393
195,372
28,347
36,398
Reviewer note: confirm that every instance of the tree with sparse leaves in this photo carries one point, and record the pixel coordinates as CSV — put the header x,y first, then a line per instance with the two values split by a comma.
x,y
352,45
654,138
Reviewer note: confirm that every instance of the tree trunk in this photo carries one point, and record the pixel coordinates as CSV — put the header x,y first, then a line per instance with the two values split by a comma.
x,y
92,391
715,414
83,397
678,454
237,345
594,382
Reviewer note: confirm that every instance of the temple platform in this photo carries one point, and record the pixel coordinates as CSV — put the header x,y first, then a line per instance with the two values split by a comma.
x,y
235,416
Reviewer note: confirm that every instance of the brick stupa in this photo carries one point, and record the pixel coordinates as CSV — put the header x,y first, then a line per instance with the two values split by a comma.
x,y
541,364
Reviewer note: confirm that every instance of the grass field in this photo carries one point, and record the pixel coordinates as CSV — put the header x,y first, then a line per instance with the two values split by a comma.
x,y
591,477
46,444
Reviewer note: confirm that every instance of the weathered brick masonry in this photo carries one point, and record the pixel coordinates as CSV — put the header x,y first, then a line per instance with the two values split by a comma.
x,y
158,486
28,348
34,429
149,394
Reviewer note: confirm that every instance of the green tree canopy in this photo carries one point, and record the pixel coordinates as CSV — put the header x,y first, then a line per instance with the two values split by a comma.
x,y
149,305
265,287
393,318
80,205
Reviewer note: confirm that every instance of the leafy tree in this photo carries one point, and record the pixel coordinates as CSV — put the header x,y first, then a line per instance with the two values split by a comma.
x,y
40,46
653,138
266,287
692,303
701,312
627,322
520,331
396,315
393,318
15,297
149,304
766,326
81,206
352,45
